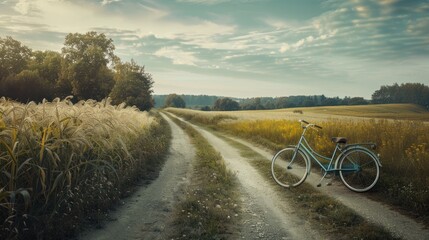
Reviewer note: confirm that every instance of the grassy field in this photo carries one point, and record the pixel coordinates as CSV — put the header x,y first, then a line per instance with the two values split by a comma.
x,y
63,165
378,111
403,144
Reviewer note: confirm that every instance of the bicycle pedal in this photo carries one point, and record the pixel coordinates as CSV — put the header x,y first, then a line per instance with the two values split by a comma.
x,y
319,185
329,184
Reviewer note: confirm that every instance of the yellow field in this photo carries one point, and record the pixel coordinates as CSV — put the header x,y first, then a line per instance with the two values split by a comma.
x,y
403,144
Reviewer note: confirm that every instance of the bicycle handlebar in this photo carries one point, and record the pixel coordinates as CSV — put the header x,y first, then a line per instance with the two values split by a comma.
x,y
310,124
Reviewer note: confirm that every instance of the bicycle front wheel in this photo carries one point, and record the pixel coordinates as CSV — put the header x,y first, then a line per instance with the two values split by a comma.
x,y
359,170
289,169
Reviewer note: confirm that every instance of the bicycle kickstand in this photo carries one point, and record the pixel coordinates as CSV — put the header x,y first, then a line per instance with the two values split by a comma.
x,y
321,180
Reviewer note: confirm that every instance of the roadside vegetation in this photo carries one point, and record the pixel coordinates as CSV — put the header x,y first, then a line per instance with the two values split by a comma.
x,y
210,206
403,146
63,165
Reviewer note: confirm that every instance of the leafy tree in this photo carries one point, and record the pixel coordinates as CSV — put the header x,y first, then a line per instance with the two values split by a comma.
x,y
26,86
386,94
133,86
357,101
226,104
86,64
416,93
331,101
252,104
13,57
174,100
48,65
205,108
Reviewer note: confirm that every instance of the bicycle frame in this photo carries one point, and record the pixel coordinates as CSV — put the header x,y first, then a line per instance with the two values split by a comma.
x,y
312,154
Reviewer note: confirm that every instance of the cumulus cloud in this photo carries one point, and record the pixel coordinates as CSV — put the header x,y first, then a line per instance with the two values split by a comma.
x,y
177,55
23,7
285,47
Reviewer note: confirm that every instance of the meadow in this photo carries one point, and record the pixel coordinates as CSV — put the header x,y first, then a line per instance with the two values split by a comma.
x,y
402,144
69,163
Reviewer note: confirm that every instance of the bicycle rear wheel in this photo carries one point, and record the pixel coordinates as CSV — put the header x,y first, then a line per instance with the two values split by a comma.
x,y
288,171
359,170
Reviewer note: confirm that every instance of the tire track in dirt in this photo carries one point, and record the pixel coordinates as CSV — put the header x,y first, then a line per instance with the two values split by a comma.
x,y
265,214
376,212
146,213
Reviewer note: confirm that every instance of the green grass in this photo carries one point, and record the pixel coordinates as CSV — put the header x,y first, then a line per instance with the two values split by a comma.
x,y
210,207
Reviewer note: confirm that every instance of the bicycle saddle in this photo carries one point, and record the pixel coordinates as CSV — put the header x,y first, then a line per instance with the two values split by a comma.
x,y
339,140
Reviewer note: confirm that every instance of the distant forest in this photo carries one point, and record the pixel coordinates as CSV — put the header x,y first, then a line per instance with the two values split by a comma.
x,y
415,93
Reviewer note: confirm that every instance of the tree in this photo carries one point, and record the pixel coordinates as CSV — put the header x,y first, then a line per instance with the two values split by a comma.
x,y
416,93
252,104
86,58
133,86
13,57
48,65
174,100
357,101
26,86
226,104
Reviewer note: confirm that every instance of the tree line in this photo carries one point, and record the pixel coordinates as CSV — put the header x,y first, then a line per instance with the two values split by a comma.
x,y
86,68
415,93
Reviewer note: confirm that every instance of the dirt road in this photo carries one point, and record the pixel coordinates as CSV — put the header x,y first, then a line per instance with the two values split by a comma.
x,y
145,214
265,215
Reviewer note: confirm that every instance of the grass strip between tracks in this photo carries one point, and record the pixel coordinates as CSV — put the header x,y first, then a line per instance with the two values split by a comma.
x,y
210,207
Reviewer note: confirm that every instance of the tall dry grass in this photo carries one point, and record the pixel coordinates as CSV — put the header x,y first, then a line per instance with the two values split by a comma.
x,y
402,145
63,163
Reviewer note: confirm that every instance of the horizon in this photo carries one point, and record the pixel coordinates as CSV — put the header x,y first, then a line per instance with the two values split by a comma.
x,y
244,48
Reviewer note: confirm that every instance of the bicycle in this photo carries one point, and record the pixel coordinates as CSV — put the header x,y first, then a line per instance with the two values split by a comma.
x,y
357,165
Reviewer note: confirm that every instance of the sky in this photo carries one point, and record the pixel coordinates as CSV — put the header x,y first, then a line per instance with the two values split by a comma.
x,y
244,48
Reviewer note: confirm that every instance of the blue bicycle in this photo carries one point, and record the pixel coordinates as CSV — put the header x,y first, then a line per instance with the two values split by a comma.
x,y
356,164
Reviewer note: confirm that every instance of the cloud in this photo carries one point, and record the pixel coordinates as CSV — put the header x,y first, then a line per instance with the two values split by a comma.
x,y
363,11
107,2
285,47
177,55
23,7
419,27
